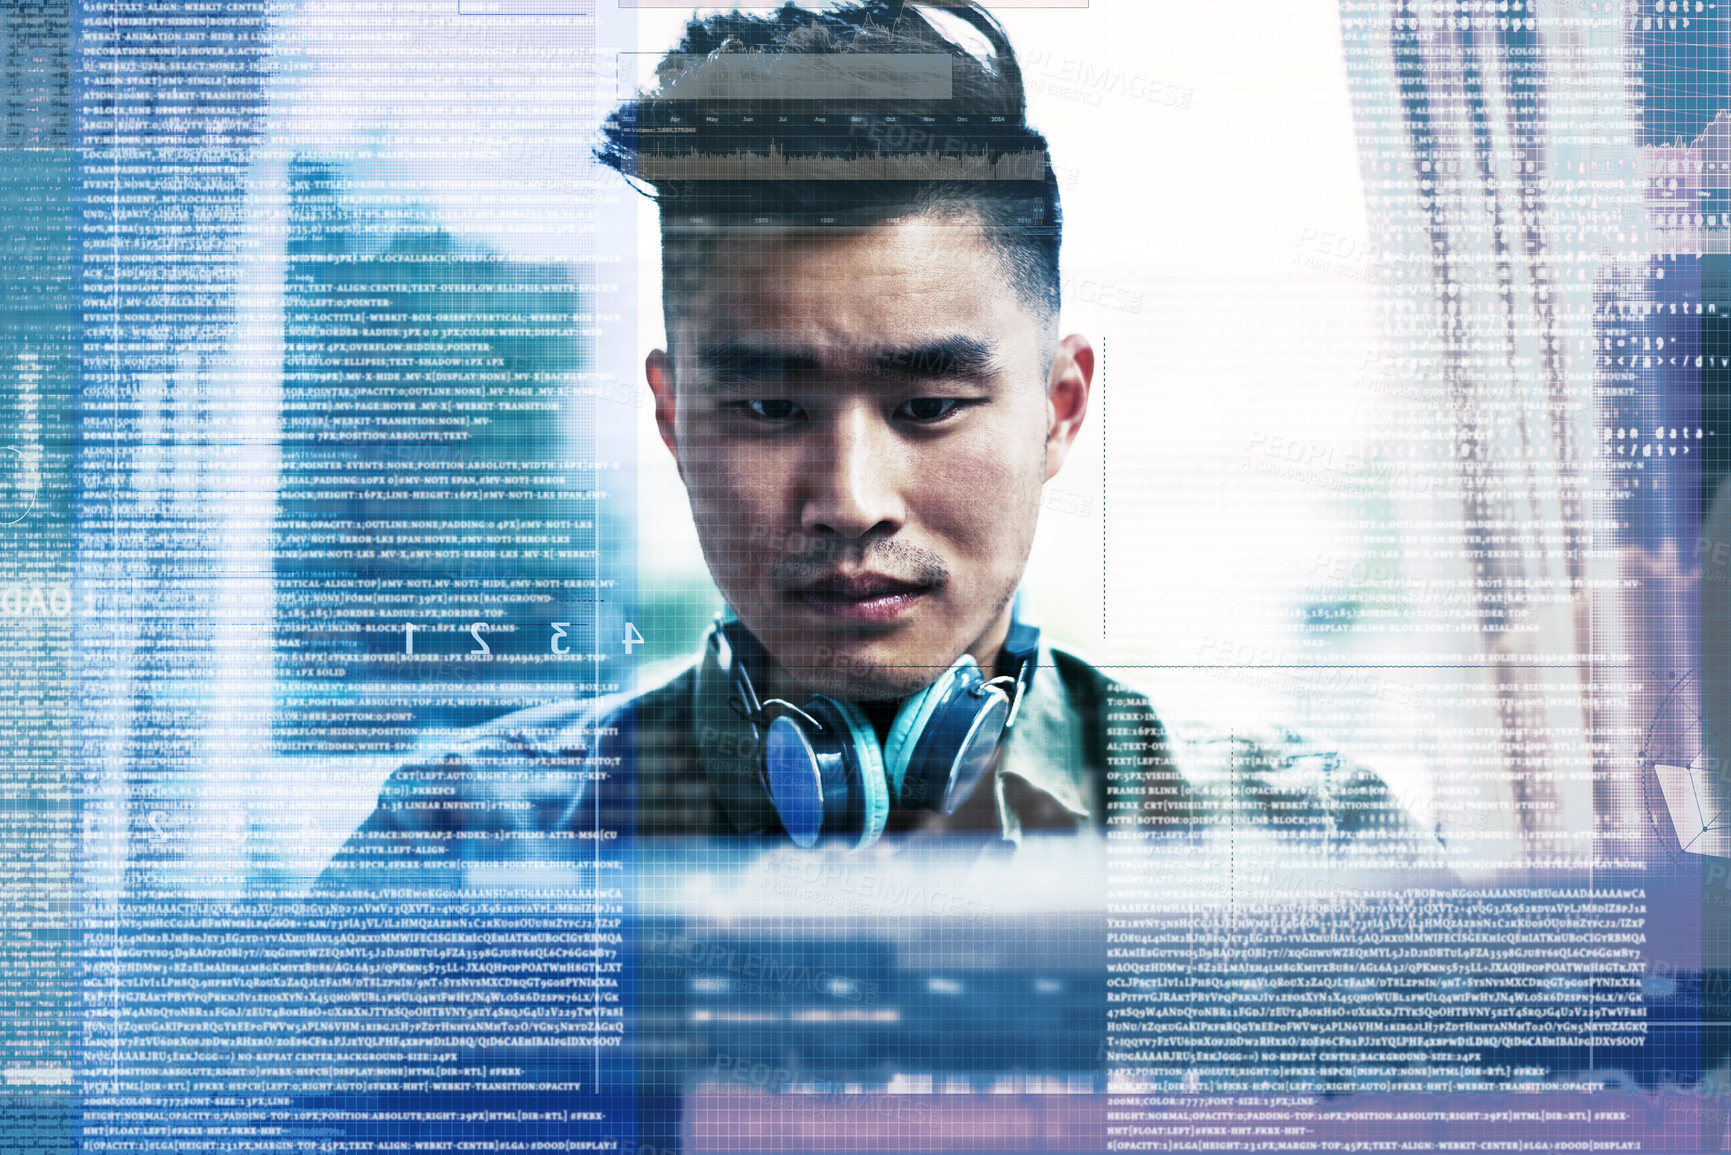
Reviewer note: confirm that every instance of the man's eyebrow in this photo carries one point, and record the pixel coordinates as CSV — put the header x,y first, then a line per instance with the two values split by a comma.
x,y
732,365
736,363
949,358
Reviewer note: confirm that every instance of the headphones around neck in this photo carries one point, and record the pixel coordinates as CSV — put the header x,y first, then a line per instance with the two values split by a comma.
x,y
821,763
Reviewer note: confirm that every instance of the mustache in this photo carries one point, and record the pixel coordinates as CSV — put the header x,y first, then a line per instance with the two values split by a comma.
x,y
893,559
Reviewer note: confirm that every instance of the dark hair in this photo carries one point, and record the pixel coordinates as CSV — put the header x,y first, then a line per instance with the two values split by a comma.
x,y
808,118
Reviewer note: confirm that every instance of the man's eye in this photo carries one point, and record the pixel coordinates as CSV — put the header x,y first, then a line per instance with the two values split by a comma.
x,y
771,410
930,408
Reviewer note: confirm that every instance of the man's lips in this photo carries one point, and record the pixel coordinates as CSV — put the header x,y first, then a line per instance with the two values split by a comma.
x,y
858,587
864,598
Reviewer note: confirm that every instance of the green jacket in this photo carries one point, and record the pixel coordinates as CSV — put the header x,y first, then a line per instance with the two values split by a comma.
x,y
1086,754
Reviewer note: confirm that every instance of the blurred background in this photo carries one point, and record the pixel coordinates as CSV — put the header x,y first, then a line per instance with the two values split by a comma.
x,y
326,436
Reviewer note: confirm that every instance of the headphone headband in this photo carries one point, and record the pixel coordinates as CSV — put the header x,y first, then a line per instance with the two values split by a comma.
x,y
744,657
822,764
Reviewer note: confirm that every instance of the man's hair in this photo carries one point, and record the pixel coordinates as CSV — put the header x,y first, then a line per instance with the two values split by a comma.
x,y
844,118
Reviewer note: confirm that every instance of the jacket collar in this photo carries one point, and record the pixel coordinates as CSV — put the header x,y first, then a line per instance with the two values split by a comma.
x,y
1042,765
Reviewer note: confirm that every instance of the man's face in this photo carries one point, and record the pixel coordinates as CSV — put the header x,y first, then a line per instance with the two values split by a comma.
x,y
863,420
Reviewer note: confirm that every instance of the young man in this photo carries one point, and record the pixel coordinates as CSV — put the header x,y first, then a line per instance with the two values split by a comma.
x,y
864,390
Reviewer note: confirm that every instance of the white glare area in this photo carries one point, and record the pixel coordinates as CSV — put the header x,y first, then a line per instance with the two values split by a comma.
x,y
426,120
485,126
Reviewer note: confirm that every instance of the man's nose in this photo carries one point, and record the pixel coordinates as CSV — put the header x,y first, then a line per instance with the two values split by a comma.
x,y
852,482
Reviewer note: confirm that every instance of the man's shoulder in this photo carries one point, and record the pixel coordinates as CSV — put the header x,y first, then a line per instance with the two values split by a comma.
x,y
1210,770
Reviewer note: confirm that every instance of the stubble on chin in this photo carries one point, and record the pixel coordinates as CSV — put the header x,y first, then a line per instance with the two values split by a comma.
x,y
836,673
866,681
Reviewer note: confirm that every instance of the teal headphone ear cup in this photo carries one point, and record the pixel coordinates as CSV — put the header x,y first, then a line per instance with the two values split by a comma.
x,y
911,722
874,790
936,751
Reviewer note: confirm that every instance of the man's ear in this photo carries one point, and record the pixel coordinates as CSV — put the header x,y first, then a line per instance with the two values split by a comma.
x,y
1067,398
659,370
